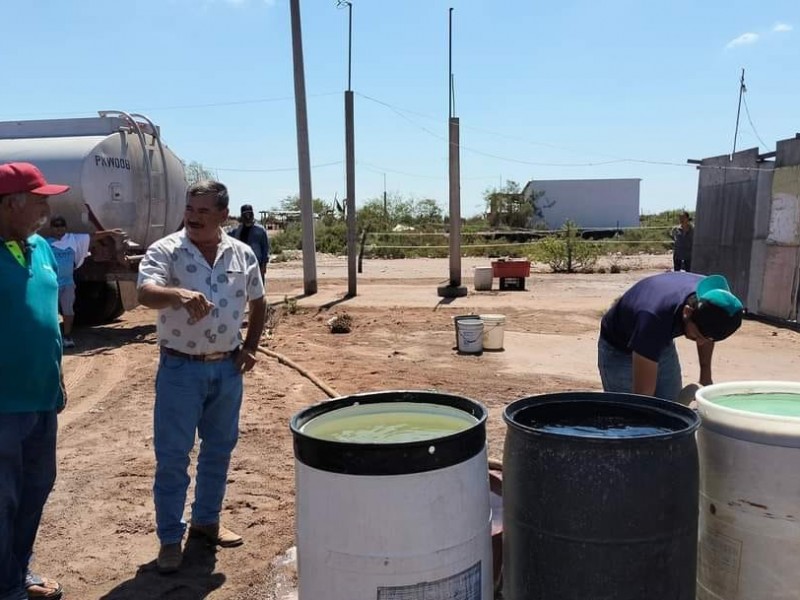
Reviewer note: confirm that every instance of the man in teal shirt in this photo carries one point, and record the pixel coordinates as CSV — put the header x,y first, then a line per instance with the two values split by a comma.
x,y
30,369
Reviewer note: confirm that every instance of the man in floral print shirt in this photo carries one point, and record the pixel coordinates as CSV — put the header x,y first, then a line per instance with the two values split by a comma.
x,y
201,281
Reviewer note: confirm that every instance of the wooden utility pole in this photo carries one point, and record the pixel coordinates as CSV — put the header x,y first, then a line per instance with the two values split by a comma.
x,y
303,155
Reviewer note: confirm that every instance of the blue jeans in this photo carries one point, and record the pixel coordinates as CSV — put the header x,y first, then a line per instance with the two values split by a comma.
x,y
616,370
193,397
27,474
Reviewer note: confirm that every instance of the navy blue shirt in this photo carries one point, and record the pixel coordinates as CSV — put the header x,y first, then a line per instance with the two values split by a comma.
x,y
256,236
650,314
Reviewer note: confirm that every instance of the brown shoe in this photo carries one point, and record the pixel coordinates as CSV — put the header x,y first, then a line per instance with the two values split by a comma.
x,y
217,534
169,558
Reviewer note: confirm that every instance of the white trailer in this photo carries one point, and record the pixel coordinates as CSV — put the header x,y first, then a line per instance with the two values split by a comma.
x,y
589,203
121,176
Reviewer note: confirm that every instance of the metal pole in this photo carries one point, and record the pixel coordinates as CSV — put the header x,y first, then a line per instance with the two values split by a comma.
x,y
385,208
738,112
303,155
450,65
349,43
350,157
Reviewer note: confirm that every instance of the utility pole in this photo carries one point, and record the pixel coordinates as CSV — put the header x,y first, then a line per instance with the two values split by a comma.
x,y
303,155
385,207
742,90
350,157
453,289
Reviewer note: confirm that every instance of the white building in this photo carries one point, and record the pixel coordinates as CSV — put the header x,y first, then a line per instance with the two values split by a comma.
x,y
590,203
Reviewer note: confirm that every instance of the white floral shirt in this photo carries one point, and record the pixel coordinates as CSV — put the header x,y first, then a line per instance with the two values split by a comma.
x,y
235,279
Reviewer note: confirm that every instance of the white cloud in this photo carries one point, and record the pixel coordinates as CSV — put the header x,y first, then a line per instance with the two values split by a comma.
x,y
782,27
743,40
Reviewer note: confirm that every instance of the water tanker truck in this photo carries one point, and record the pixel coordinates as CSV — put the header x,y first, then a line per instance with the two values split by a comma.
x,y
121,177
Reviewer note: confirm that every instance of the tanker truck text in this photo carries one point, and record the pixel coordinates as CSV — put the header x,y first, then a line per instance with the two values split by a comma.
x,y
110,161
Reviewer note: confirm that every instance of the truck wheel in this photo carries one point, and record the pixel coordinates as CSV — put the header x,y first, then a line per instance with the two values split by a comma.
x,y
97,302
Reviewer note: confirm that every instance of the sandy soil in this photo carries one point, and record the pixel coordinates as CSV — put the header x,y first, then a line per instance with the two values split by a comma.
x,y
98,535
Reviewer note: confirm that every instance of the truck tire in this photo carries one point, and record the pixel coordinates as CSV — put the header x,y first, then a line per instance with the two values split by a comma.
x,y
97,303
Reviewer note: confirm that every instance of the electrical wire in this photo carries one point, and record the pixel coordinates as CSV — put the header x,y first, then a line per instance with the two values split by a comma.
x,y
400,112
753,127
278,170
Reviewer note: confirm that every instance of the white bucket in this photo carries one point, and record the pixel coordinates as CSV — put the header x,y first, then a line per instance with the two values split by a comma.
x,y
483,278
749,496
469,333
493,329
383,521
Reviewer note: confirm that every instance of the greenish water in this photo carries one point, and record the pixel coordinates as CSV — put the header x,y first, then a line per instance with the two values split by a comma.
x,y
389,423
774,403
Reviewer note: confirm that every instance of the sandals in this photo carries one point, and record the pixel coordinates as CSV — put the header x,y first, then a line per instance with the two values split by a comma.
x,y
39,587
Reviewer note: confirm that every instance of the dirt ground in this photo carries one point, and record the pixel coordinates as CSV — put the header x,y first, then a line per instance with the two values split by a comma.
x,y
98,534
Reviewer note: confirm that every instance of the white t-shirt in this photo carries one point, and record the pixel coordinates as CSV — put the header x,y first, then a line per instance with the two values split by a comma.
x,y
77,242
235,279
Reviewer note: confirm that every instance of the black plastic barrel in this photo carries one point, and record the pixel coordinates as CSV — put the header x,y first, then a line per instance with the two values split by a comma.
x,y
600,496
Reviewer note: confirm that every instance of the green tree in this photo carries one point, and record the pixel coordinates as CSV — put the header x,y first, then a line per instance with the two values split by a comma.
x,y
428,211
508,207
196,171
320,207
371,216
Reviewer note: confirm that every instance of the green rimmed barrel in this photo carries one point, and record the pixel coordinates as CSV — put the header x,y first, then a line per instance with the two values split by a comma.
x,y
384,513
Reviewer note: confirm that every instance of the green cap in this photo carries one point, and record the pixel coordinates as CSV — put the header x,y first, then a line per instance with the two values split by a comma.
x,y
715,290
719,312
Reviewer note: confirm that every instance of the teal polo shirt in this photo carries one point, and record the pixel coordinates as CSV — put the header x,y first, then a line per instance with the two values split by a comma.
x,y
30,360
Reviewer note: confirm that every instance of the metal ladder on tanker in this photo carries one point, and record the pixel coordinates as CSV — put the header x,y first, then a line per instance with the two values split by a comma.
x,y
156,202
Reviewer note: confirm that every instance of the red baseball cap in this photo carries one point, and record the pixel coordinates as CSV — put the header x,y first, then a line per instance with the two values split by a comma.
x,y
21,177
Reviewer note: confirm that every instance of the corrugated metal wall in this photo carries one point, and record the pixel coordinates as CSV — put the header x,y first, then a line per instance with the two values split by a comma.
x,y
726,206
748,227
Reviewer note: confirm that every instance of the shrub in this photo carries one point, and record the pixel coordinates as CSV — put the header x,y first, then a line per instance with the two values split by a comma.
x,y
566,252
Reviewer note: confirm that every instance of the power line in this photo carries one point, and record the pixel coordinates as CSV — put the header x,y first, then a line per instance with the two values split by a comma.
x,y
186,106
753,127
278,170
399,112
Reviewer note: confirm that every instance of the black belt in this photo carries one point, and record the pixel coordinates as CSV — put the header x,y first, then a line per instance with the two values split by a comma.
x,y
213,357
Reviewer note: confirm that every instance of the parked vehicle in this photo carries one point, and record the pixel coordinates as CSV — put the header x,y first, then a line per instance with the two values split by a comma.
x,y
122,176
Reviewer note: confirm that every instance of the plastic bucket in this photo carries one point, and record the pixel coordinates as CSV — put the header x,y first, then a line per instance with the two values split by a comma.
x,y
461,318
469,335
599,498
483,278
392,519
493,331
749,491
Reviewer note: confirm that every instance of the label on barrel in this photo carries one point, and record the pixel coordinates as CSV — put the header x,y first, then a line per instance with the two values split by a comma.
x,y
461,586
720,562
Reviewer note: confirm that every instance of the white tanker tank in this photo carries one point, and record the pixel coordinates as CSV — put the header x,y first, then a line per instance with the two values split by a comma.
x,y
121,176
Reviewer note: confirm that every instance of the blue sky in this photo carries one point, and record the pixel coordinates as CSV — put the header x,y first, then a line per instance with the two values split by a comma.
x,y
543,90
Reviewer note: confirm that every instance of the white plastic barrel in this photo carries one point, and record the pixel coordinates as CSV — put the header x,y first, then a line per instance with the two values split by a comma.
x,y
483,278
493,331
749,494
469,334
387,521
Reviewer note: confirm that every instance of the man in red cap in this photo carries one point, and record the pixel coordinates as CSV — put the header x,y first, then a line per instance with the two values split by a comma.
x,y
32,392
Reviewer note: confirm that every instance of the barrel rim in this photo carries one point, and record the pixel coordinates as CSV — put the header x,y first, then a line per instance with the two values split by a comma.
x,y
657,405
705,399
392,458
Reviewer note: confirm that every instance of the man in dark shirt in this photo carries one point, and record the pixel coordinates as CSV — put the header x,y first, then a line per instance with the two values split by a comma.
x,y
250,232
636,351
683,238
